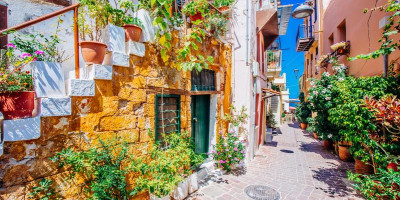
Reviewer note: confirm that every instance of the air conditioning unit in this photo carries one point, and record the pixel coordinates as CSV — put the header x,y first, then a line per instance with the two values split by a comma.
x,y
256,69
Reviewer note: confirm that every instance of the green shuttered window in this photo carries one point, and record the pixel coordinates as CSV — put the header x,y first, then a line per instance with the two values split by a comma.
x,y
203,81
168,115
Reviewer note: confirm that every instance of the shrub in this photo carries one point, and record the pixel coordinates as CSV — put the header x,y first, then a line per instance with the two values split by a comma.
x,y
303,112
228,151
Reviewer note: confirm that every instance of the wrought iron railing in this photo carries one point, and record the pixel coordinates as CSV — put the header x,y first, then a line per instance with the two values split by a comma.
x,y
305,32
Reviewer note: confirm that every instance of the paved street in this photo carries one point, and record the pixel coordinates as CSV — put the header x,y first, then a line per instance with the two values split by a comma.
x,y
296,165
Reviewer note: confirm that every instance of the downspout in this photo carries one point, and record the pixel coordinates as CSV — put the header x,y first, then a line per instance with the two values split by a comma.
x,y
247,33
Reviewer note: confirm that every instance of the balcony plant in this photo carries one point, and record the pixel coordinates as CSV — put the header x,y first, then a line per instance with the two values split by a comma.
x,y
223,5
217,25
323,61
196,9
341,48
93,17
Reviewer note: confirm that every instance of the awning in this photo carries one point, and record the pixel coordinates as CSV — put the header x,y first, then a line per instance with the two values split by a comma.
x,y
270,92
283,18
267,24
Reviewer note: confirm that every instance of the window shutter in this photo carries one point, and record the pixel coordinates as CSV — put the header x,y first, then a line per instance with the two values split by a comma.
x,y
3,25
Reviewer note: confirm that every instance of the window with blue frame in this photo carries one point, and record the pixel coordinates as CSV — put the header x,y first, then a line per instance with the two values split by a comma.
x,y
168,115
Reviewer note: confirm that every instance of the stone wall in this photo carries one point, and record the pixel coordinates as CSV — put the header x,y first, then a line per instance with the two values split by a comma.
x,y
122,107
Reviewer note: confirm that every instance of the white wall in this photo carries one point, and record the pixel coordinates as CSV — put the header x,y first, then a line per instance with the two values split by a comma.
x,y
242,81
212,139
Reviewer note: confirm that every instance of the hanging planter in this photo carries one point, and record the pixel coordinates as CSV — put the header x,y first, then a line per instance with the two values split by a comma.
x,y
341,48
17,105
93,52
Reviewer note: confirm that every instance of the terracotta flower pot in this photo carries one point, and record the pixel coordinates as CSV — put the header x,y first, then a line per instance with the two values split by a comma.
x,y
344,153
223,9
393,166
17,105
328,144
316,135
336,146
303,126
132,32
363,168
93,52
195,17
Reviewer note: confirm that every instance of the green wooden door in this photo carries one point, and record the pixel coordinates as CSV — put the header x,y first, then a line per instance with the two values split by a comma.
x,y
201,122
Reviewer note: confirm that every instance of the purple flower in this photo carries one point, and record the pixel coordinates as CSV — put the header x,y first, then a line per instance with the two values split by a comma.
x,y
11,45
26,55
221,161
208,154
39,52
219,153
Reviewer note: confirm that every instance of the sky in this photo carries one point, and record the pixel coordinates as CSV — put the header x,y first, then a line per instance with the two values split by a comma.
x,y
291,59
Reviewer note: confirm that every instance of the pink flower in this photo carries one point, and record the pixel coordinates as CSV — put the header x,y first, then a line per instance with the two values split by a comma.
x,y
226,149
39,52
229,156
34,59
235,149
26,55
11,45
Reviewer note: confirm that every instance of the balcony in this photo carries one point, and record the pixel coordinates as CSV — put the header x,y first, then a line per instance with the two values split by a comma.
x,y
304,38
273,60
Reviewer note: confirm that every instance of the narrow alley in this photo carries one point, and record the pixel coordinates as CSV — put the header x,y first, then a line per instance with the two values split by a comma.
x,y
295,164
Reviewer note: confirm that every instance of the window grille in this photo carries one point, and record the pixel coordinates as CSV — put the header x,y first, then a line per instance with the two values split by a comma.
x,y
168,115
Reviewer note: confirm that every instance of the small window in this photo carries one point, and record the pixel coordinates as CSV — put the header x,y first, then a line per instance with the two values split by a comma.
x,y
342,31
203,81
168,115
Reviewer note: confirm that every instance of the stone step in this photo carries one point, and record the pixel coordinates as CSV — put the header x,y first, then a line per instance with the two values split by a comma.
x,y
21,129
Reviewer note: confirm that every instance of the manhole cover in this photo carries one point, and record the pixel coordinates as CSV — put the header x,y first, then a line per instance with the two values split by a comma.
x,y
262,192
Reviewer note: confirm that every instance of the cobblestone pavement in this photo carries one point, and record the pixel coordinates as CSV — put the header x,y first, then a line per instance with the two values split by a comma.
x,y
295,164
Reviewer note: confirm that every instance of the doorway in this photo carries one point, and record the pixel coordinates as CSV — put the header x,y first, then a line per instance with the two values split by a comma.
x,y
201,122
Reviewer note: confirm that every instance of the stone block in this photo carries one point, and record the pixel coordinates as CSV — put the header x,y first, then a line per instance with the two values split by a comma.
x,y
117,59
114,38
193,183
55,107
48,79
181,191
21,129
148,32
115,123
80,87
102,72
136,48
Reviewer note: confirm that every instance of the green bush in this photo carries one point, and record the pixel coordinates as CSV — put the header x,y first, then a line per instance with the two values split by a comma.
x,y
303,112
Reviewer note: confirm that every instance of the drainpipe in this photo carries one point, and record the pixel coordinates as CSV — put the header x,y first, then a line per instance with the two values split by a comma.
x,y
385,65
247,32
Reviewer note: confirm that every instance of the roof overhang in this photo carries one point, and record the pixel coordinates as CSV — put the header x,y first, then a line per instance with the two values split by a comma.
x,y
283,18
267,24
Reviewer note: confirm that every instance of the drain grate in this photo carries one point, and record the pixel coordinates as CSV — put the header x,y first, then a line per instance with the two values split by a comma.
x,y
262,192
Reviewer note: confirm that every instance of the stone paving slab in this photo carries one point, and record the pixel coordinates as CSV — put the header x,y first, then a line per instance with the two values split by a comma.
x,y
295,164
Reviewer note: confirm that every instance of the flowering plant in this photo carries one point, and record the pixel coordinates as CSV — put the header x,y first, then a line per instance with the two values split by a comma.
x,y
322,60
12,76
228,151
338,45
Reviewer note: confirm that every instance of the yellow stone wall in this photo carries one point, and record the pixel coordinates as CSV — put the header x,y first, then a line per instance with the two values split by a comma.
x,y
123,107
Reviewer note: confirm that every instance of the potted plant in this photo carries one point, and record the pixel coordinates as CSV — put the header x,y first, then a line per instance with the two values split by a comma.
x,y
17,98
271,123
93,17
303,112
344,153
196,9
223,5
133,29
217,25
